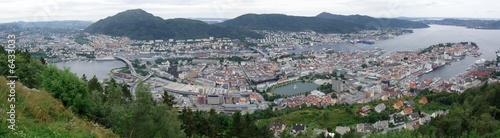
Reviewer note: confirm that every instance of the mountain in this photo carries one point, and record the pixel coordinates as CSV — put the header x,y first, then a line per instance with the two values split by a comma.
x,y
291,23
470,23
495,25
52,24
138,24
369,22
38,114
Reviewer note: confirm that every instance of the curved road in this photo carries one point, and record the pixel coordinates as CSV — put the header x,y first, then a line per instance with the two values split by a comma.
x,y
136,82
132,69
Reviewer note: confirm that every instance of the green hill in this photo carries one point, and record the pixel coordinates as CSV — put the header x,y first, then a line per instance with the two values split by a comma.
x,y
138,24
38,114
291,23
371,22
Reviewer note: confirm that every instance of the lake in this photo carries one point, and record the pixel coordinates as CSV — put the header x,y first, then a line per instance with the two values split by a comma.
x,y
290,90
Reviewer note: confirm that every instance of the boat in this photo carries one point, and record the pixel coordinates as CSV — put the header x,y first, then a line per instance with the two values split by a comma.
x,y
480,61
428,71
295,86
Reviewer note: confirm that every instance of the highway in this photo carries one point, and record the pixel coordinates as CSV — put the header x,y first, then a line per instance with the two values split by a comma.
x,y
133,87
260,51
132,69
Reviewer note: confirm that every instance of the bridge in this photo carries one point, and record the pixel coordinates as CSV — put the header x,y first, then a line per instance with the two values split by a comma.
x,y
132,69
260,51
133,87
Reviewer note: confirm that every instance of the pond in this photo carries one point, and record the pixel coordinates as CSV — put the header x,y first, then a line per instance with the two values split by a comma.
x,y
295,88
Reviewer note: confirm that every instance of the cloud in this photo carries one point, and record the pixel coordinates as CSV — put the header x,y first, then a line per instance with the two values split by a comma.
x,y
93,10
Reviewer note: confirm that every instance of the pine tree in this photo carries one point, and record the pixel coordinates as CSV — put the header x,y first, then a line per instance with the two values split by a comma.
x,y
168,99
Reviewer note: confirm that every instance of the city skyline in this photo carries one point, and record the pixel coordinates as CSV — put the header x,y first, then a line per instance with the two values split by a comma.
x,y
93,10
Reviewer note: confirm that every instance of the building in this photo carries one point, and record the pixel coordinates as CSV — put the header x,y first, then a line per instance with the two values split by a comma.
x,y
342,129
277,127
297,128
364,127
410,103
215,99
337,85
407,111
364,110
380,125
423,100
398,105
380,107
398,120
414,116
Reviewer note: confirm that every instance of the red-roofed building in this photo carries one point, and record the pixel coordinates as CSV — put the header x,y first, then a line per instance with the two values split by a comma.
x,y
398,104
423,100
407,111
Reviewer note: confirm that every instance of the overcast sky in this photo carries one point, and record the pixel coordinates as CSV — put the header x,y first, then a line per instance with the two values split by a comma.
x,y
93,10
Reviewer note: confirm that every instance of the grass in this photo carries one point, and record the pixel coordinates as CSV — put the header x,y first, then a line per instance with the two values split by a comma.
x,y
38,114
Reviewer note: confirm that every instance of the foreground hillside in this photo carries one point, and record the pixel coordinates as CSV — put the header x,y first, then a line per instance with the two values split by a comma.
x,y
38,114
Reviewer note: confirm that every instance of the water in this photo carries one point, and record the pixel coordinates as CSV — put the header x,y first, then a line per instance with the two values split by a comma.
x,y
456,67
98,68
487,40
301,88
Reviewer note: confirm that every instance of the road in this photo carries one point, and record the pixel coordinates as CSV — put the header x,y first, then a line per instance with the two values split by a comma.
x,y
260,51
132,69
133,87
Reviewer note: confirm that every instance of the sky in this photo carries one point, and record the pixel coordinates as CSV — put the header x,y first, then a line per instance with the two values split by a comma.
x,y
93,10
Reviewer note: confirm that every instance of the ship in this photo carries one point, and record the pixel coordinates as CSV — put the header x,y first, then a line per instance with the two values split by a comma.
x,y
369,42
428,71
480,61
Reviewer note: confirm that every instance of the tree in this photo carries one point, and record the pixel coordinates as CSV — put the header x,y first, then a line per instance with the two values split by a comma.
x,y
168,99
364,65
126,92
42,60
94,85
236,126
84,78
359,88
67,87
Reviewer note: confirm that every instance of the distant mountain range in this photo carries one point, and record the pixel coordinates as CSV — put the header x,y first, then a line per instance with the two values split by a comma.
x,y
371,22
291,23
138,24
479,24
70,24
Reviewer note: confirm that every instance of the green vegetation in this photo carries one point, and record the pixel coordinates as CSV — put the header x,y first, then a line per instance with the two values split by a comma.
x,y
38,114
138,24
109,104
81,39
290,23
212,124
370,22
